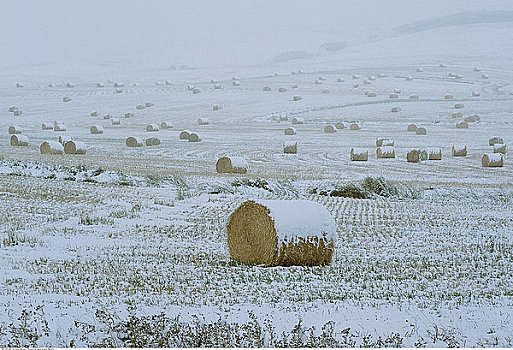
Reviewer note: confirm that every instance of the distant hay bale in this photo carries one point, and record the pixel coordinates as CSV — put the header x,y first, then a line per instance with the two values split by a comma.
x,y
129,115
266,88
283,118
476,93
290,131
166,125
371,78
297,121
106,116
415,155
281,233
148,104
385,152
442,65
190,87
448,97
321,78
371,94
340,125
492,160
19,140
184,135
325,91
194,137
394,95
451,74
421,131
330,129
354,126
340,80
384,141
434,153
470,119
168,82
484,76
495,140
118,84
64,138
75,147
408,78
14,129
294,86
94,113
356,86
500,148
59,127
203,121
456,114
396,109
458,76
140,107
414,97
196,90
462,125
66,99
297,98
477,69
236,83
96,129
47,126
459,150
231,164
116,121
290,147
12,108
359,154
459,106
355,76
217,107
118,91
418,70
100,85
366,82
17,113
51,147
381,75
217,86
412,127
282,89
133,141
152,141
397,91
152,127
19,85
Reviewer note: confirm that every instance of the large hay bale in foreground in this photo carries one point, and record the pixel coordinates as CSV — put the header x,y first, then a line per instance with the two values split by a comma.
x,y
421,131
152,141
330,129
75,147
492,160
51,147
290,147
152,127
385,152
281,233
495,140
384,141
194,137
232,164
14,129
459,150
133,141
96,129
500,148
412,127
19,140
290,131
359,154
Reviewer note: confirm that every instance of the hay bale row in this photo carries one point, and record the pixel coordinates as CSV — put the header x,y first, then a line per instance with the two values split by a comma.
x,y
19,140
492,160
459,150
359,154
51,147
385,152
281,233
231,164
434,153
290,147
75,147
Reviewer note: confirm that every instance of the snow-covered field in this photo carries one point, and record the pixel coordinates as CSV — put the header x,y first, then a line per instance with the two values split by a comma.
x,y
123,240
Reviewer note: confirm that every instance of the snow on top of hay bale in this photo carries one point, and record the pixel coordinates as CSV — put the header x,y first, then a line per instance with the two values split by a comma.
x,y
184,135
356,86
396,109
46,126
297,121
194,137
281,233
421,131
119,84
354,126
414,97
133,141
415,155
290,147
492,141
14,129
500,148
12,108
148,104
492,160
434,153
152,127
96,129
384,141
17,113
19,85
75,147
462,125
459,150
297,98
456,114
203,121
340,125
366,82
442,65
459,106
394,95
166,125
329,129
290,131
152,141
359,154
385,152
232,164
94,113
116,121
51,147
412,127
340,80
100,85
19,140
196,90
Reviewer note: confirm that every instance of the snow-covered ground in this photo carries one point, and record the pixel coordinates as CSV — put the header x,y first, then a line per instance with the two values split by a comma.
x,y
140,231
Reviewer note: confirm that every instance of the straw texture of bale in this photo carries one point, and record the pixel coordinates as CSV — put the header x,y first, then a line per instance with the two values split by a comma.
x,y
354,126
47,126
281,233
19,140
115,121
14,129
75,147
133,141
384,141
396,109
184,135
421,131
152,127
290,147
59,127
492,160
203,121
329,129
51,147
500,148
495,140
462,125
166,125
297,121
385,152
152,141
194,137
340,125
359,154
434,153
231,164
96,129
459,106
412,127
290,131
459,150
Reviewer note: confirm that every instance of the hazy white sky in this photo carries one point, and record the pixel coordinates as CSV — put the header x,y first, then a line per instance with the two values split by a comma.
x,y
197,32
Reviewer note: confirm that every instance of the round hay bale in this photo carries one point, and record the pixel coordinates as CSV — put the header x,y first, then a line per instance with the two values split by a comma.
x,y
359,154
492,160
203,121
290,131
94,113
140,107
152,141
283,117
385,152
12,108
340,80
166,125
129,115
106,116
384,141
330,129
194,137
290,147
118,84
66,99
281,233
421,131
152,127
366,82
297,121
116,121
190,87
477,69
236,83
17,113
297,98
414,97
47,126
184,135
412,127
396,109
462,125
470,119
476,93
232,164
75,147
418,70
217,86
19,140
148,104
14,129
500,148
168,82
321,78
217,107
294,86
317,81
456,114
394,95
495,140
340,125
19,85
459,106
59,127
51,147
484,76
133,141
371,94
118,91
96,129
451,74
354,126
459,150
434,153
397,91
448,97
266,88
